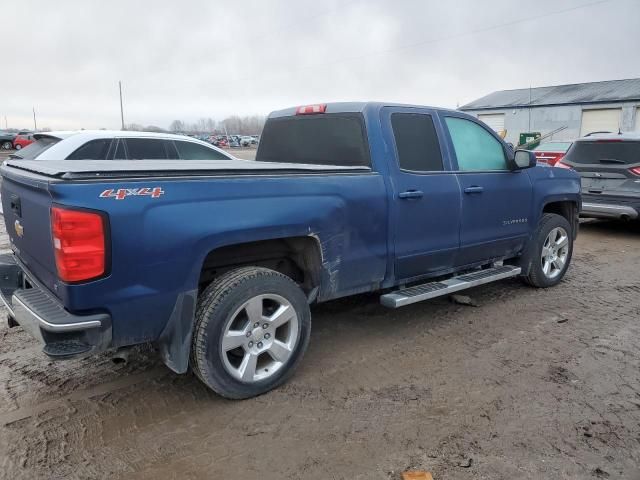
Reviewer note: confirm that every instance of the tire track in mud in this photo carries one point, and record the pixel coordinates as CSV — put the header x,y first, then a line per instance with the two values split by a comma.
x,y
101,389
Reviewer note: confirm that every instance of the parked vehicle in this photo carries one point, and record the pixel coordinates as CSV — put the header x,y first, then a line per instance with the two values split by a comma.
x,y
551,152
609,166
6,140
246,141
123,145
217,262
23,139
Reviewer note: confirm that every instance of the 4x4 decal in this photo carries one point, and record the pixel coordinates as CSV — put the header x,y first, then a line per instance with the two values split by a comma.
x,y
122,193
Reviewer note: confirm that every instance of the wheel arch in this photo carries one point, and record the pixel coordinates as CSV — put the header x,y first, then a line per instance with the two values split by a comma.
x,y
299,257
565,208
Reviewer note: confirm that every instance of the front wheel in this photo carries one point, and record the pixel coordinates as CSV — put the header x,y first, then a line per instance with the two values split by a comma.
x,y
18,146
251,330
551,251
6,145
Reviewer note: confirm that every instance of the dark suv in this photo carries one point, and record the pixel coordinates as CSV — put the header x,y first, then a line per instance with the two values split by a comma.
x,y
609,165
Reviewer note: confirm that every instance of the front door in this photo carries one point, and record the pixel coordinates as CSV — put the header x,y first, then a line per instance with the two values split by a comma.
x,y
425,210
496,201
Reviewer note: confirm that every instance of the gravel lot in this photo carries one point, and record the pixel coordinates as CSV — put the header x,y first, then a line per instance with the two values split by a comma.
x,y
541,384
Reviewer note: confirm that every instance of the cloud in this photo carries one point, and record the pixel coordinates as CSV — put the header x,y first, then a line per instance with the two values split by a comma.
x,y
208,59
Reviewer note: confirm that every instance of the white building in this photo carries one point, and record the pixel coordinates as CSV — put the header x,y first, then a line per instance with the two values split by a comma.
x,y
582,107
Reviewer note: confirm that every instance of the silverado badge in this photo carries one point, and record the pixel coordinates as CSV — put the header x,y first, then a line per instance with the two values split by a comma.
x,y
19,228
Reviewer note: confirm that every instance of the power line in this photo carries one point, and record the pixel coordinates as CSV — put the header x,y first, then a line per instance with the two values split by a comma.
x,y
424,42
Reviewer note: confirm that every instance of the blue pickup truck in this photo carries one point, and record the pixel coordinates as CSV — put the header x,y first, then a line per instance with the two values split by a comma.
x,y
216,262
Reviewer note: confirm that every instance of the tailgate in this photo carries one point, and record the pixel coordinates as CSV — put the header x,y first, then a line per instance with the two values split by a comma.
x,y
26,203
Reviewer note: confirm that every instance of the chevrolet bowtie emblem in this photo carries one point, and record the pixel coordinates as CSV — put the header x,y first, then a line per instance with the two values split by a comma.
x,y
19,228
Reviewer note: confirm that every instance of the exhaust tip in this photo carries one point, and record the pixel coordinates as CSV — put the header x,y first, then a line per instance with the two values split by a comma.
x,y
121,357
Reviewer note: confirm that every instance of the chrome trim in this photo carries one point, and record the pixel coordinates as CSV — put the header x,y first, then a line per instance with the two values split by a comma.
x,y
455,284
608,211
56,327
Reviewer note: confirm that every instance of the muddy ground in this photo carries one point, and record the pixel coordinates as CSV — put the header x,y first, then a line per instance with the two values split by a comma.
x,y
541,384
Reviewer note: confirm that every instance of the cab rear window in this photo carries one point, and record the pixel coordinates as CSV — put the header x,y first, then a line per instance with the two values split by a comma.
x,y
324,139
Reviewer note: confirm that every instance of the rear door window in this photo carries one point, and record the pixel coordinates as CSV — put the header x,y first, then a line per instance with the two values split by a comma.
x,y
323,139
416,142
195,151
604,152
92,150
146,149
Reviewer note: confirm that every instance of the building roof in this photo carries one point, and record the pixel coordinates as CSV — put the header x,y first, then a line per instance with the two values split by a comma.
x,y
576,93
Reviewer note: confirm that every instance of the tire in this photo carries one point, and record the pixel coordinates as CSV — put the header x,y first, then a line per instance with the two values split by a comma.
x,y
544,271
226,314
6,145
18,147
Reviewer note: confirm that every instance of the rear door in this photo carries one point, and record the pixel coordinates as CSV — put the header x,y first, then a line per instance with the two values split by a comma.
x,y
425,213
607,166
496,202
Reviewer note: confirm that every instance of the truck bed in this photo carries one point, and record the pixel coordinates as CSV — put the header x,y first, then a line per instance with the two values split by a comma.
x,y
82,169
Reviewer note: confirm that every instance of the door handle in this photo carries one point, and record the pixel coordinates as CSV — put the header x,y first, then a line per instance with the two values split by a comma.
x,y
474,189
410,194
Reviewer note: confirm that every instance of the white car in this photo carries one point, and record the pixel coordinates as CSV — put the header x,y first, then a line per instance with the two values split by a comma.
x,y
120,145
245,141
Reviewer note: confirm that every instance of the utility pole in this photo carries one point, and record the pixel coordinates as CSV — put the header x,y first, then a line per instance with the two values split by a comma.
x,y
121,110
529,109
35,124
6,125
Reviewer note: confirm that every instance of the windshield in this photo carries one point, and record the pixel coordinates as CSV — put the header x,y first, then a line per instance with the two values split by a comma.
x,y
327,139
554,146
31,151
603,152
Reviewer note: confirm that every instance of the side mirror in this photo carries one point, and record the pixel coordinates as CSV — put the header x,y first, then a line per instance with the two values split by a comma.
x,y
524,159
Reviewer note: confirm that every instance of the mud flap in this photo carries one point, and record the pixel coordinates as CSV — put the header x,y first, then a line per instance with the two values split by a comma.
x,y
175,340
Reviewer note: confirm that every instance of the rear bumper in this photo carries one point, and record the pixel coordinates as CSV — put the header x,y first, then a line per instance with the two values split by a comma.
x,y
63,335
608,210
611,205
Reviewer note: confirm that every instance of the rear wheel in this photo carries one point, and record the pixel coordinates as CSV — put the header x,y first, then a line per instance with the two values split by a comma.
x,y
18,146
6,145
252,329
551,251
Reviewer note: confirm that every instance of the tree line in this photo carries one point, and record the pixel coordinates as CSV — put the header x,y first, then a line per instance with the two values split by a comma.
x,y
249,125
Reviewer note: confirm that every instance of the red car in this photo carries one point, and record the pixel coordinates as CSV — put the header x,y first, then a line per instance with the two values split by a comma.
x,y
23,139
551,152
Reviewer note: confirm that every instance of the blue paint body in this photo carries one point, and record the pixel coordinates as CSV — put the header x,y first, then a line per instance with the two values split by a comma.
x,y
369,238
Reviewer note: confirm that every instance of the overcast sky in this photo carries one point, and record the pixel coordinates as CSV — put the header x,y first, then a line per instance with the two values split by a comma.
x,y
191,59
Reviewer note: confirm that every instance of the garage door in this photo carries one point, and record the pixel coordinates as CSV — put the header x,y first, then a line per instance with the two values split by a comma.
x,y
602,120
494,120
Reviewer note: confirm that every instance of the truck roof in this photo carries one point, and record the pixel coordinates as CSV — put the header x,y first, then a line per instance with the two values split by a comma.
x,y
351,107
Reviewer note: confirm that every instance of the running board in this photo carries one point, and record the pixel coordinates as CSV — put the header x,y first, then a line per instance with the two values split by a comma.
x,y
406,296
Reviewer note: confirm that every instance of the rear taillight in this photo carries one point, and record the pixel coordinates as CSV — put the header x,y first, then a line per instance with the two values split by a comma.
x,y
635,170
78,243
311,109
559,164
